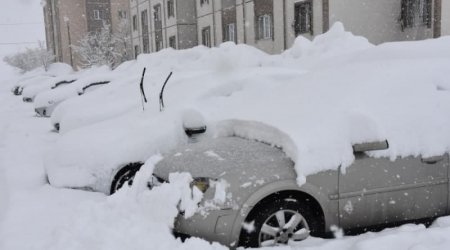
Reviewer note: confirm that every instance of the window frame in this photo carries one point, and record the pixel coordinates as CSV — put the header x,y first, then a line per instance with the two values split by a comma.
x,y
304,18
415,13
123,14
265,26
135,23
170,8
173,42
97,15
230,36
157,13
206,33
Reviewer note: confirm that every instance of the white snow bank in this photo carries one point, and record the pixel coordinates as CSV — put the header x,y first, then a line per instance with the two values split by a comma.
x,y
315,116
59,69
335,42
405,237
133,218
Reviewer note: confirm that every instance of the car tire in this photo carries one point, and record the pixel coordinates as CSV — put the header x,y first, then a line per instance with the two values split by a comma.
x,y
126,174
262,226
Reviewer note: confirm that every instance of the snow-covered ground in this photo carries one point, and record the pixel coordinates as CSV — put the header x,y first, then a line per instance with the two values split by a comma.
x,y
35,215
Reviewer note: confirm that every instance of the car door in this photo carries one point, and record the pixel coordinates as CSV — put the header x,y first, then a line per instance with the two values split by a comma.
x,y
376,191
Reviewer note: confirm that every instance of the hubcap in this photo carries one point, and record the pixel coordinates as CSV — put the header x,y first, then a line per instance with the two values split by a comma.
x,y
282,226
124,179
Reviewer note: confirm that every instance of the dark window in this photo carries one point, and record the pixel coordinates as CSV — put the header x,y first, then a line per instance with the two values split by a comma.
x,y
415,13
206,36
204,2
97,15
144,27
122,14
159,45
157,12
230,32
170,8
173,42
303,18
136,51
265,26
135,22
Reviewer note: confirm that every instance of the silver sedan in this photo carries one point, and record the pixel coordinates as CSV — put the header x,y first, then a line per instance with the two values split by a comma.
x,y
262,204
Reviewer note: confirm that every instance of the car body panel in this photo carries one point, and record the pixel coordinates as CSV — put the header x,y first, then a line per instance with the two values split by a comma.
x,y
376,191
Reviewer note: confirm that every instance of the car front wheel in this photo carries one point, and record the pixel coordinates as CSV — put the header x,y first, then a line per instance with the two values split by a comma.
x,y
278,223
125,175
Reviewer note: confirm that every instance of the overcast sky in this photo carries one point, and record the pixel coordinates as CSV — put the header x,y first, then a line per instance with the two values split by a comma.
x,y
21,25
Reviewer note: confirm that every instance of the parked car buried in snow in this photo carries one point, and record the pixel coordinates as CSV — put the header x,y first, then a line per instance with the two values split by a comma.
x,y
30,92
47,101
264,206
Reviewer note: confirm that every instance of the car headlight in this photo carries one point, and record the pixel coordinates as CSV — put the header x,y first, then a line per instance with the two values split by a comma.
x,y
202,183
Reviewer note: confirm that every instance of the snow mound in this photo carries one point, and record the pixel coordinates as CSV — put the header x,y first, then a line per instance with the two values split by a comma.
x,y
133,218
335,42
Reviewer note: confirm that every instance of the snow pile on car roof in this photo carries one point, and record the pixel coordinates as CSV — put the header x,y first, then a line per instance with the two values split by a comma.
x,y
394,91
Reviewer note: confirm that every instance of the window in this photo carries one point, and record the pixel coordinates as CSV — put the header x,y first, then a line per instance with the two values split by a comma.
x,y
303,18
136,51
265,26
415,13
157,12
173,42
206,36
97,15
230,32
135,22
159,45
144,28
204,2
122,14
170,8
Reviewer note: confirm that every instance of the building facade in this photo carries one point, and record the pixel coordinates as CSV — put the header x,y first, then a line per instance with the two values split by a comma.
x,y
445,17
158,24
68,21
272,26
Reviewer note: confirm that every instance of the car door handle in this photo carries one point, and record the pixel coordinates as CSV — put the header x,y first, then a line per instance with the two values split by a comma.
x,y
433,159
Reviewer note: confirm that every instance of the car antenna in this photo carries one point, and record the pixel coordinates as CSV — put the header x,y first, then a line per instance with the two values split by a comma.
x,y
143,97
161,98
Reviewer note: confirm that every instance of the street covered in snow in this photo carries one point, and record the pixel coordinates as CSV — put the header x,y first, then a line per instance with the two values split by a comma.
x,y
317,100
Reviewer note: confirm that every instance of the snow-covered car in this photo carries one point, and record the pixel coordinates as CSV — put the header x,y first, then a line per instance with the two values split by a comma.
x,y
46,101
40,75
251,197
19,87
30,92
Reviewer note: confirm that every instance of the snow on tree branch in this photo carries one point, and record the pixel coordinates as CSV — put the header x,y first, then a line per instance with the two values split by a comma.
x,y
31,58
104,47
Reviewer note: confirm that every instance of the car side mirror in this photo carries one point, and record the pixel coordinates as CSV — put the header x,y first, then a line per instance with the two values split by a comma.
x,y
193,124
370,146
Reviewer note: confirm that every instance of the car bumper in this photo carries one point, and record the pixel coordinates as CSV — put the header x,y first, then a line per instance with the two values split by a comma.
x,y
215,225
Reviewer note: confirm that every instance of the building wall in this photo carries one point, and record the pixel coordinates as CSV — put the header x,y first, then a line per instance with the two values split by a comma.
x,y
186,22
116,20
377,20
445,23
72,28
